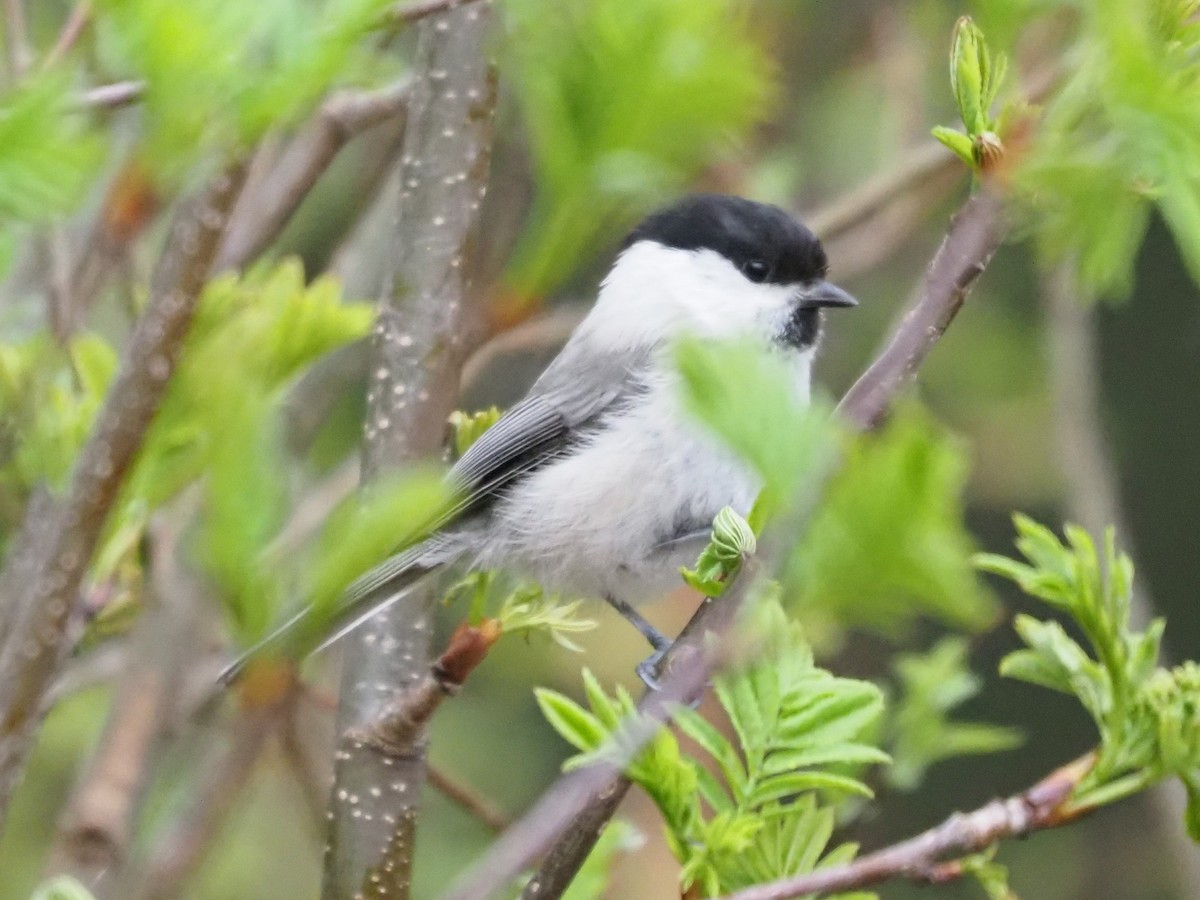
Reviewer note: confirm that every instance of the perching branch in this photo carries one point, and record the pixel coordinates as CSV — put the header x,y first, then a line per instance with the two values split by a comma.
x,y
563,825
36,646
420,342
923,858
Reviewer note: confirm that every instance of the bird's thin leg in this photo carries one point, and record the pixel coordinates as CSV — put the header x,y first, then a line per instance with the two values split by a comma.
x,y
647,669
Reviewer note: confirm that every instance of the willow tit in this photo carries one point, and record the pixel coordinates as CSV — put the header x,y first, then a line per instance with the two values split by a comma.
x,y
597,483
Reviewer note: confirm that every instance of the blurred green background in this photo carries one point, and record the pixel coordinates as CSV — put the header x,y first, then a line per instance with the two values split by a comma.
x,y
803,102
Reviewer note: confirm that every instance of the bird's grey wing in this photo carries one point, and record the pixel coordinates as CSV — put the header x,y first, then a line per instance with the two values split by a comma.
x,y
576,390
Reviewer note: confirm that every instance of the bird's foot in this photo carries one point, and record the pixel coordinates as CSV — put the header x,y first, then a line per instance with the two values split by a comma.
x,y
647,669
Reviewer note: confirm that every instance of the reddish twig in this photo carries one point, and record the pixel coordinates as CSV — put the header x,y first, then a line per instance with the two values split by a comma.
x,y
36,645
923,858
72,29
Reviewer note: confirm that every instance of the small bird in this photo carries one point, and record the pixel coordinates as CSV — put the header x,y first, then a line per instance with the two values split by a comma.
x,y
597,483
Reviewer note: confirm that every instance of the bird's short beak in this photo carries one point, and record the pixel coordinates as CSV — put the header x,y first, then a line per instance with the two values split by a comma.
x,y
822,293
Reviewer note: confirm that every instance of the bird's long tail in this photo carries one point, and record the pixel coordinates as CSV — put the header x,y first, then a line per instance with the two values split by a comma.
x,y
378,589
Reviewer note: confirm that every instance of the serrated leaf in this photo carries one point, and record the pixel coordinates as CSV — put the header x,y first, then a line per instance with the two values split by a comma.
x,y
715,745
779,787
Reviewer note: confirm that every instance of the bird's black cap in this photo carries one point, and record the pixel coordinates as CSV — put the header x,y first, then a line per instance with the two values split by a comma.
x,y
760,239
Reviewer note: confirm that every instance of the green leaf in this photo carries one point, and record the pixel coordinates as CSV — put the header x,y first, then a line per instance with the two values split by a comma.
x,y
921,730
958,143
217,74
574,724
888,542
48,157
715,745
747,398
364,530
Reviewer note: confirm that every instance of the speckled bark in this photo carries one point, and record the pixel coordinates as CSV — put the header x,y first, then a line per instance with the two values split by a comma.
x,y
36,644
422,331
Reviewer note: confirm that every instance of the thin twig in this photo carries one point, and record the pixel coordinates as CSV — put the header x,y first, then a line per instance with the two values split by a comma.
x,y
16,39
112,96
97,826
922,858
919,167
36,646
467,799
566,821
261,215
78,19
409,12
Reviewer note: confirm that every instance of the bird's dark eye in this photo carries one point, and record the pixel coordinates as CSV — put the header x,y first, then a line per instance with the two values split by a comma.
x,y
756,270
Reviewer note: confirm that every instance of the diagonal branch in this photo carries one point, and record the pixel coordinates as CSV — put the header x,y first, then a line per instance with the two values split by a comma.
x,y
258,220
36,646
975,233
1045,805
565,823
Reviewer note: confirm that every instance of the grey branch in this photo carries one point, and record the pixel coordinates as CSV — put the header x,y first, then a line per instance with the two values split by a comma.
x,y
1045,805
37,644
424,329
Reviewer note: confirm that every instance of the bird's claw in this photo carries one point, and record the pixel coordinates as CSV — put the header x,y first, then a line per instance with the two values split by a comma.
x,y
647,669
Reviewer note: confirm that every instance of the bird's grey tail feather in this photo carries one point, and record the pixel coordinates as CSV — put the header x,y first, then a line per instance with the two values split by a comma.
x,y
361,600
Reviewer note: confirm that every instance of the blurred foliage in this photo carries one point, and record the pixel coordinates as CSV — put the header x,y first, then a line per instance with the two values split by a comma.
x,y
764,818
218,74
1148,717
920,731
48,157
49,397
887,541
469,427
624,103
1118,139
592,881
